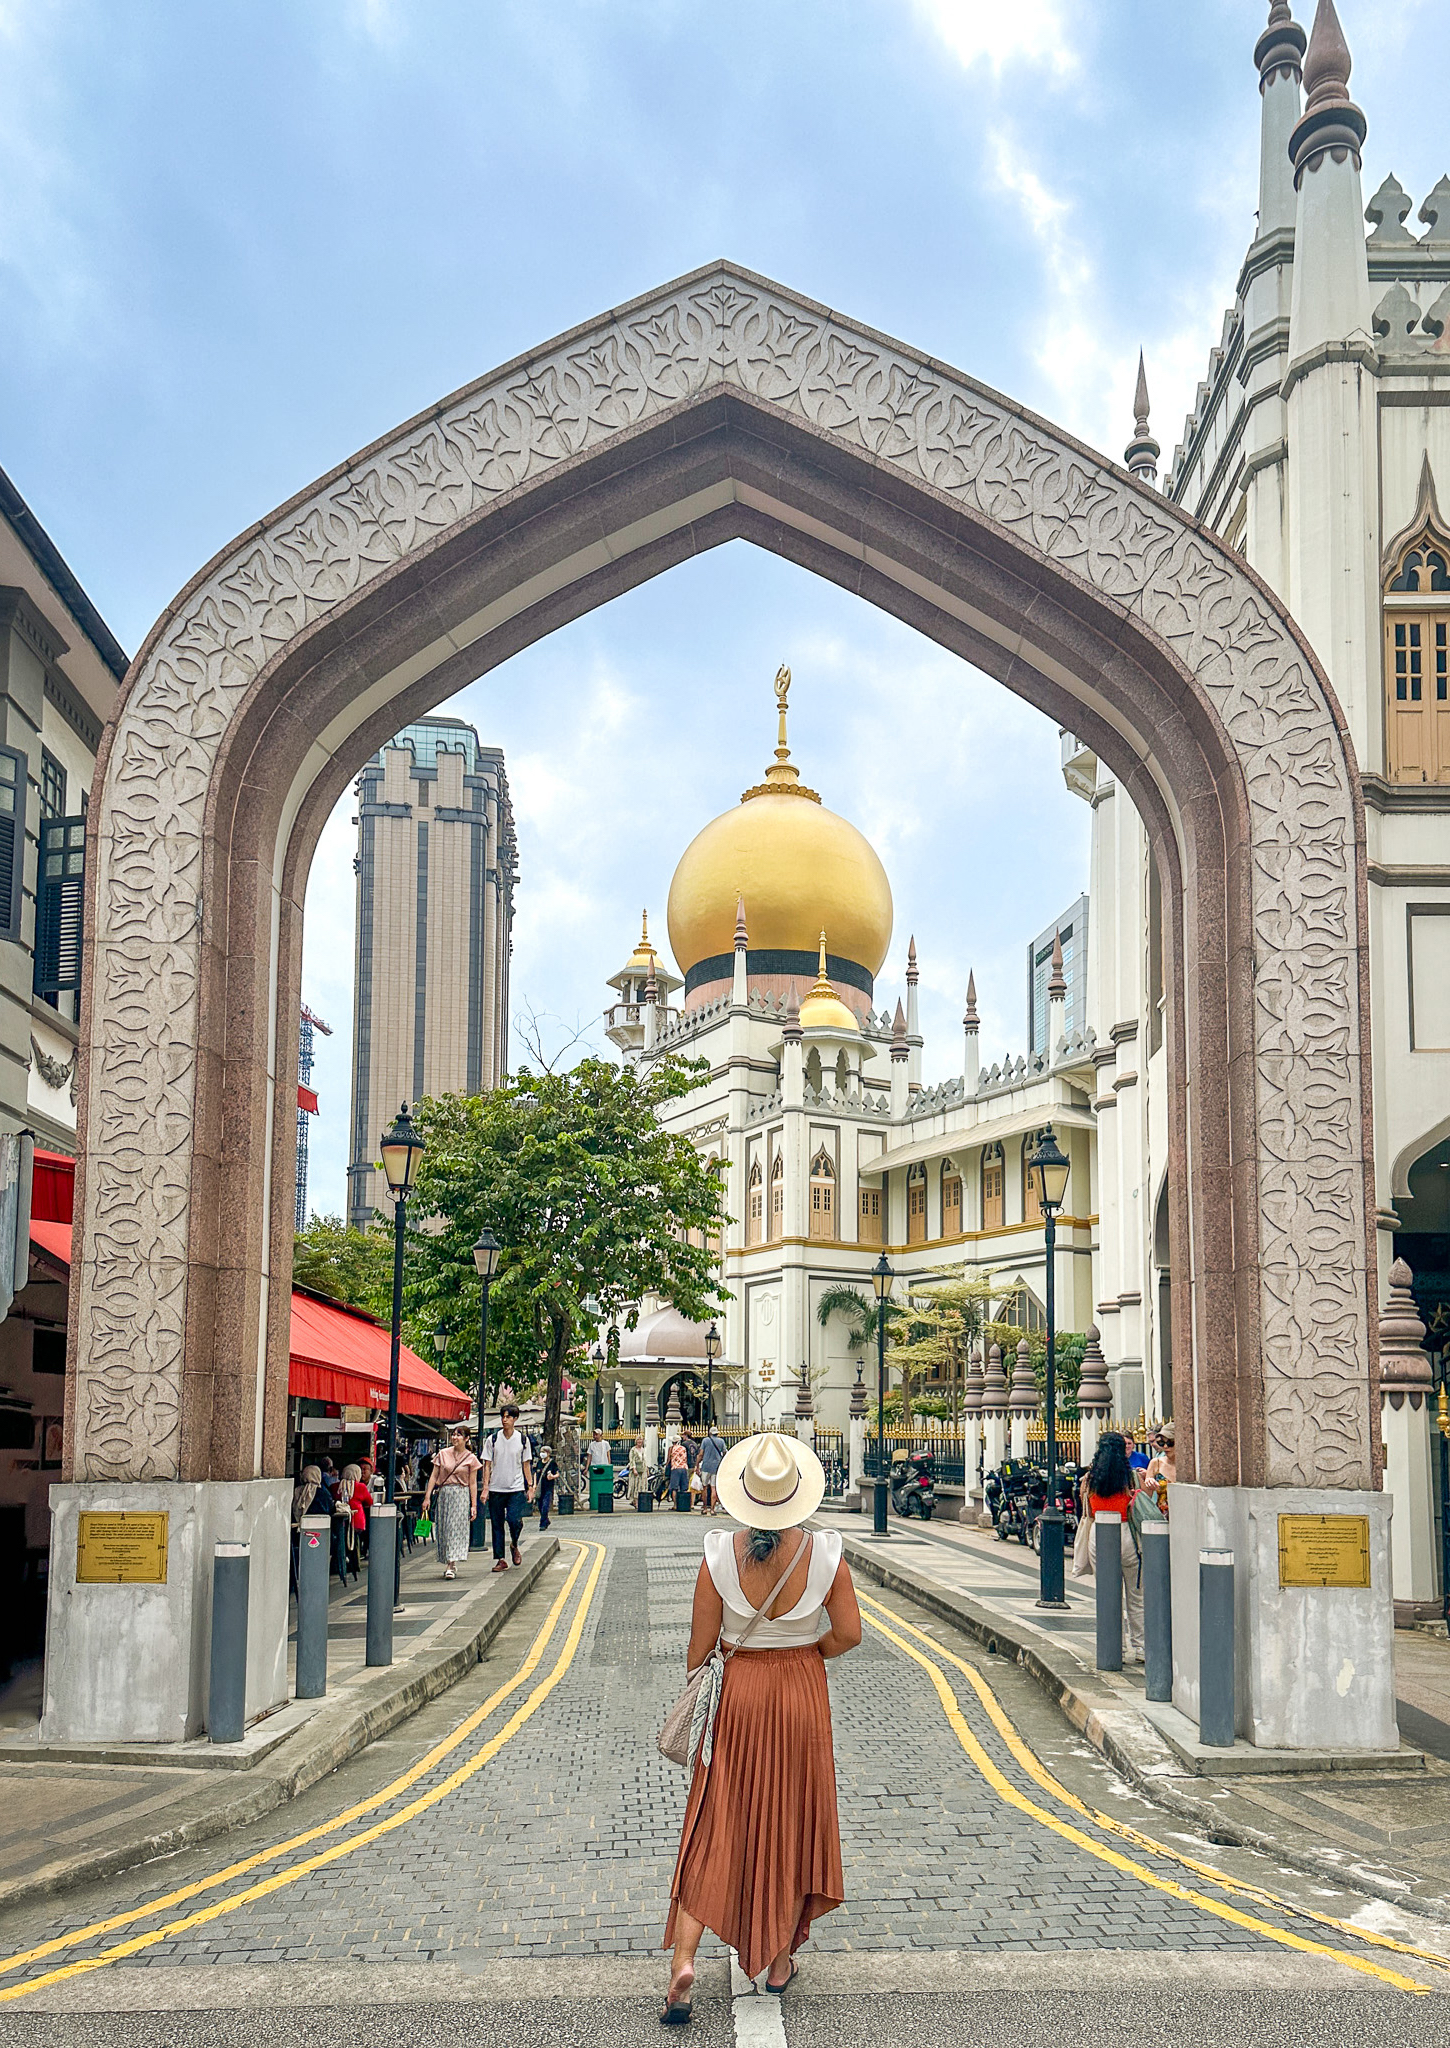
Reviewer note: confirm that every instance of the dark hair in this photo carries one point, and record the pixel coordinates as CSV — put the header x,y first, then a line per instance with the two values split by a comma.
x,y
509,1408
761,1544
1110,1471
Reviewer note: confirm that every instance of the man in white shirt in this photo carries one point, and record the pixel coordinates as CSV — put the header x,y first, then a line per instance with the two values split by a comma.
x,y
508,1481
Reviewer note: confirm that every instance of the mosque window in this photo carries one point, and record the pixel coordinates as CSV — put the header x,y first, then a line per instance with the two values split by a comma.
x,y
1031,1204
951,1200
870,1228
777,1199
823,1195
993,1188
916,1204
1417,653
1023,1311
755,1205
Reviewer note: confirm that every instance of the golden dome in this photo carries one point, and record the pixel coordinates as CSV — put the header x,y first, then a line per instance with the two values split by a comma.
x,y
798,867
823,1009
644,956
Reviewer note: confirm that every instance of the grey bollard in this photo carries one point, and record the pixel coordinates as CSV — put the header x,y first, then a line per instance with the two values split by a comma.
x,y
1216,1648
1108,1575
382,1552
231,1578
314,1576
1157,1612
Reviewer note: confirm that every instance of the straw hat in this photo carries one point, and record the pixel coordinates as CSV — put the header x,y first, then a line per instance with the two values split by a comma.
x,y
770,1481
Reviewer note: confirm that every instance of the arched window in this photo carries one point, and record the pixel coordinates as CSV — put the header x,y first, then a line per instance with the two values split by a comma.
x,y
755,1205
777,1198
916,1204
843,1072
993,1188
1417,649
1031,1199
869,1227
951,1200
823,1195
1023,1311
813,1069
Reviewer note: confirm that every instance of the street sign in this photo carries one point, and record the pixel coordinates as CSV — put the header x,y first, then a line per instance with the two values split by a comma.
x,y
118,1549
1324,1550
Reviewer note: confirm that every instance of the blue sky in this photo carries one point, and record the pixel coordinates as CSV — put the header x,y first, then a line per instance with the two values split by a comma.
x,y
239,241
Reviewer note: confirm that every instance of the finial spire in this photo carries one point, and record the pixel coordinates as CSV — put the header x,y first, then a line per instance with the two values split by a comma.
x,y
1057,983
900,1050
970,1018
782,777
1280,47
742,937
913,974
1141,453
823,957
1331,120
644,944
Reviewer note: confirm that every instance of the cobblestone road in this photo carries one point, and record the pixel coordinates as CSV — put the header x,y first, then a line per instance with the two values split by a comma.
x,y
562,1846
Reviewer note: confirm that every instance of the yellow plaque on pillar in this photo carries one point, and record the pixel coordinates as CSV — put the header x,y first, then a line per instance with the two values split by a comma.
x,y
1324,1550
121,1549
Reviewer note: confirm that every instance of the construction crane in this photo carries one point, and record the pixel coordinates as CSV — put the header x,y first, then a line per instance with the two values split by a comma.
x,y
306,1102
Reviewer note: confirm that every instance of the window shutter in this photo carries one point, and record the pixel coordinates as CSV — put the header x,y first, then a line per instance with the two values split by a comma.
x,y
60,894
14,768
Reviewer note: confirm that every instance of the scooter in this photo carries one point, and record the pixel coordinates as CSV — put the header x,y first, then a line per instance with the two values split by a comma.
x,y
1067,1494
1014,1495
913,1484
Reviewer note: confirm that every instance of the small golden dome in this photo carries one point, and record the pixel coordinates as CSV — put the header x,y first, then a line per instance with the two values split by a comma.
x,y
823,1009
644,955
797,865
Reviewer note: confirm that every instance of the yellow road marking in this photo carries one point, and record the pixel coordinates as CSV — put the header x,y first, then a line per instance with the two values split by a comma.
x,y
354,1843
1008,1792
1039,1772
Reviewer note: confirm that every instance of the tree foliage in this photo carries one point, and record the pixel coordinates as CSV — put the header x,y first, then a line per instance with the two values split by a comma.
x,y
354,1267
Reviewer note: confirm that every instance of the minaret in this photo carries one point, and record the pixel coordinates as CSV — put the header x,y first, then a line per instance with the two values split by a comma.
x,y
913,1023
651,1018
1333,524
972,1056
1279,54
900,1059
1056,1001
1142,452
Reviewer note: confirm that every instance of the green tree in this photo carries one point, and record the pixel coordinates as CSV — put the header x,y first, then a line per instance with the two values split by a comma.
x,y
351,1266
594,1204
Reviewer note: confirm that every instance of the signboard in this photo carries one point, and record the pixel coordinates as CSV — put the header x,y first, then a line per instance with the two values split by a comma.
x,y
765,1372
1324,1550
116,1549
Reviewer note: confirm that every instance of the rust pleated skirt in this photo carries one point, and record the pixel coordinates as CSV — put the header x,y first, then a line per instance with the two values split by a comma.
x,y
760,1855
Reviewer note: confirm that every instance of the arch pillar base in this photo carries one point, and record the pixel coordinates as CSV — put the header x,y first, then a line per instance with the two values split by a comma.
x,y
1314,1666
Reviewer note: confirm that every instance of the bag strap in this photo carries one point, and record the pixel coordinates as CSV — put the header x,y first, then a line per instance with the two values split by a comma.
x,y
773,1595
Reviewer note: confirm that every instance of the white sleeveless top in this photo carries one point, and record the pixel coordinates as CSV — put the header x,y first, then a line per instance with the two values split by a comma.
x,y
800,1625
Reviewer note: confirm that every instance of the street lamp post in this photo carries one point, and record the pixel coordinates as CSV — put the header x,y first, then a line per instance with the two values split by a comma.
x,y
712,1352
485,1261
402,1148
1050,1166
882,1277
596,1359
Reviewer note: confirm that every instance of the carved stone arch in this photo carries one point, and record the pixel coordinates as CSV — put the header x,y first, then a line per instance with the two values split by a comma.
x,y
717,408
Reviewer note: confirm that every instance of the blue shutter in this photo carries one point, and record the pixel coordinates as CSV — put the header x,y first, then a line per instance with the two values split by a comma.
x,y
59,901
14,770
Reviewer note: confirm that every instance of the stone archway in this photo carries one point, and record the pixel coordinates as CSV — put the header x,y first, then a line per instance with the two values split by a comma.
x,y
719,407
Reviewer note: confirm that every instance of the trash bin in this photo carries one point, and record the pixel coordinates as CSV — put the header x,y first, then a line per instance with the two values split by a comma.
x,y
601,1489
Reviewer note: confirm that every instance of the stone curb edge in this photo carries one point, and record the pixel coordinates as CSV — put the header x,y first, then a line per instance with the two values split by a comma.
x,y
992,1630
317,1748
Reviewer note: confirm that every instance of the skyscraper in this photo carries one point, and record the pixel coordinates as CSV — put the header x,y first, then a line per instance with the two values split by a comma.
x,y
436,868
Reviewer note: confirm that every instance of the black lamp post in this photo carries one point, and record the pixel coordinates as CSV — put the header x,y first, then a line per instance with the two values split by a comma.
x,y
596,1359
402,1148
485,1261
712,1352
882,1277
1050,1166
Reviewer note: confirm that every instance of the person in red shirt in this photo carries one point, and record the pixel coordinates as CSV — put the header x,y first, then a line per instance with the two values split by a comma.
x,y
1111,1484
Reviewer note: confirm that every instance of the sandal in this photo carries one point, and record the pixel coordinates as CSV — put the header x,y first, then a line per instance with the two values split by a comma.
x,y
677,2015
779,1990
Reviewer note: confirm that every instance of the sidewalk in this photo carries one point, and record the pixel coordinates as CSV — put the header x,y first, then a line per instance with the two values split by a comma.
x,y
84,1811
1384,1829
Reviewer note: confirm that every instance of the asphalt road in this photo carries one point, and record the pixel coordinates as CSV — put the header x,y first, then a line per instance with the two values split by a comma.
x,y
502,1864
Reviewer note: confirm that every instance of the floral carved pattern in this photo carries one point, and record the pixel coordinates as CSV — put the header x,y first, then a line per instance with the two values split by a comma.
x,y
726,330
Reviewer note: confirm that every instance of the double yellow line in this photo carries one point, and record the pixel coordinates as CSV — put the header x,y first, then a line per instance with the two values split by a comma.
x,y
897,1631
354,1842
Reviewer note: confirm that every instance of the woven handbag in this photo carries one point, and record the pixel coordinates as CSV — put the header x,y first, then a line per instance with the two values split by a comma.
x,y
689,1726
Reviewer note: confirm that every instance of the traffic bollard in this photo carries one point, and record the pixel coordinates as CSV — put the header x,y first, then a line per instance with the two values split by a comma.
x,y
226,1708
1108,1574
1157,1612
382,1548
314,1575
1216,1648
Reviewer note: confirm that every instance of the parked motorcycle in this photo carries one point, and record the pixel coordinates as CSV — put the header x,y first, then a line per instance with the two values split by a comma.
x,y
913,1484
1014,1494
1067,1494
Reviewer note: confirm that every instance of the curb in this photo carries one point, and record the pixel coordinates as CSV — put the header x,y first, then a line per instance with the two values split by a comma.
x,y
313,1751
1000,1638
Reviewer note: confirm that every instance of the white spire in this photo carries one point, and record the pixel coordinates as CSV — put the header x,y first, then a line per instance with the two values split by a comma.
x,y
1279,55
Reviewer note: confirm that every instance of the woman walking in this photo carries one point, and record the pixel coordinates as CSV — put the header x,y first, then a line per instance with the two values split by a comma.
x,y
1111,1484
454,1479
637,1469
760,1851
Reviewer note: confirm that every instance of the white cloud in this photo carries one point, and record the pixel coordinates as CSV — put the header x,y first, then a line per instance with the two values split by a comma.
x,y
984,31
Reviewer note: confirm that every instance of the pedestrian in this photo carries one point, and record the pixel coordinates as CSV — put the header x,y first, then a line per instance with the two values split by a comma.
x,y
637,1470
712,1450
600,1456
547,1481
760,1849
1163,1472
305,1492
677,1468
454,1482
508,1481
1111,1484
1137,1456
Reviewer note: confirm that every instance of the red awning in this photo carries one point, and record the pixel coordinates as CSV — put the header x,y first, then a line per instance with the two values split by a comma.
x,y
307,1099
52,1187
338,1354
